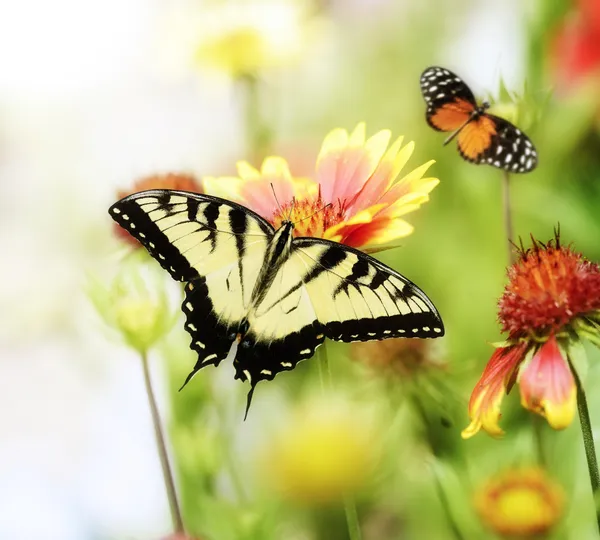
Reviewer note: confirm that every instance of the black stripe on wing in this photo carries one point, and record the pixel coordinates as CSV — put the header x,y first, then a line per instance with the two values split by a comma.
x,y
382,280
201,210
259,360
211,337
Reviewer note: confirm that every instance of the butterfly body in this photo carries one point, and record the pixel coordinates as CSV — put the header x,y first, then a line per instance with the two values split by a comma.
x,y
274,296
482,137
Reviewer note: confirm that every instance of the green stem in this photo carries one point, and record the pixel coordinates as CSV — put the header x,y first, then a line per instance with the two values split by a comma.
x,y
349,504
538,427
162,450
508,226
258,134
352,519
438,484
588,443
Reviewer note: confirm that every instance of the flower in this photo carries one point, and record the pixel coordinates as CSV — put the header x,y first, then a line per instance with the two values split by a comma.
x,y
180,181
521,502
576,45
324,451
137,308
404,357
355,197
242,38
552,300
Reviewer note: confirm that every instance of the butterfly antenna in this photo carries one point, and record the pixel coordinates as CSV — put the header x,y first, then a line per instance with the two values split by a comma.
x,y
249,400
292,206
275,195
314,213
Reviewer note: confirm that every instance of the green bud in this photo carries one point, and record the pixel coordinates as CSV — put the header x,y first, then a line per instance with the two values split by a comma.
x,y
135,304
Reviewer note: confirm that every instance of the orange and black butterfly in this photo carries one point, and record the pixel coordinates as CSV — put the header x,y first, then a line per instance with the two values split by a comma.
x,y
482,137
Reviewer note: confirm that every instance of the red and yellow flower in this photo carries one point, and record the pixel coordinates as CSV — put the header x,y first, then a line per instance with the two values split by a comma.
x,y
355,196
521,502
551,300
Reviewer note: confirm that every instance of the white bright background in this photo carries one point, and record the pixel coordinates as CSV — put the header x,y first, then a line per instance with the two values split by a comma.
x,y
89,101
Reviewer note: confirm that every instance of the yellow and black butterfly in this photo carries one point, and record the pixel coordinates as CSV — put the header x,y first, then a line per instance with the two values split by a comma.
x,y
481,137
263,297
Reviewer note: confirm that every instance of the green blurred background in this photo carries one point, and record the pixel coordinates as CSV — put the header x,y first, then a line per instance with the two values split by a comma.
x,y
95,95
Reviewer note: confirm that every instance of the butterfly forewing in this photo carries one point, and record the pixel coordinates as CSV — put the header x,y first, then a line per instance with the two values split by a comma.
x,y
449,100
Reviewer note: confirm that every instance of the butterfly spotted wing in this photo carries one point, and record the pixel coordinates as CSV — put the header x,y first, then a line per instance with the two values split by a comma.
x,y
481,138
450,102
494,141
276,295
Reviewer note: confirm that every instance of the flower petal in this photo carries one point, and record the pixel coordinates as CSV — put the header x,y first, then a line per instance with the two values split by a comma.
x,y
384,175
548,387
484,405
345,162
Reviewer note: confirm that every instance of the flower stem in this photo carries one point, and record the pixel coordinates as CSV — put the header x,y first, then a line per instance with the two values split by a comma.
x,y
352,521
258,134
508,226
588,443
162,450
438,483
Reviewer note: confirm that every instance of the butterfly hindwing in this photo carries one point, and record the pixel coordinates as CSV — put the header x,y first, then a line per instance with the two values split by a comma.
x,y
449,100
495,141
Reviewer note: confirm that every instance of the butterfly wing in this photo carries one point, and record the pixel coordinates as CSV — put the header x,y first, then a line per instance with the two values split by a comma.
x,y
495,141
215,245
449,100
326,289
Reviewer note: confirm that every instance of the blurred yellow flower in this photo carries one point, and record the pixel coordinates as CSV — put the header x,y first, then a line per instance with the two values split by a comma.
x,y
325,451
520,502
139,311
355,197
243,37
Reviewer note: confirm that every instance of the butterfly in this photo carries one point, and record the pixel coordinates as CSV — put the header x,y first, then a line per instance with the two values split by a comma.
x,y
263,297
482,137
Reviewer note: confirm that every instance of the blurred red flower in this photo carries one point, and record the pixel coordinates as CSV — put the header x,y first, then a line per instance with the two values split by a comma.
x,y
576,46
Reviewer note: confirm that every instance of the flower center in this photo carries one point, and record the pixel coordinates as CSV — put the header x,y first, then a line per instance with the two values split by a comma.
x,y
550,285
312,217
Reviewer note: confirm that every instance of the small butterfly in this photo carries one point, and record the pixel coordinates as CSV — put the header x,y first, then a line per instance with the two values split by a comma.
x,y
481,137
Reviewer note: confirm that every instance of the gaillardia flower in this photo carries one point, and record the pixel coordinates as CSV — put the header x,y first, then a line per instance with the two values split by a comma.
x,y
180,181
520,502
354,198
552,299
